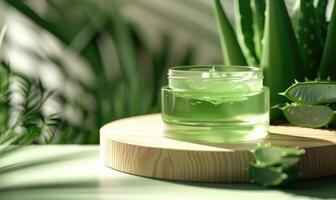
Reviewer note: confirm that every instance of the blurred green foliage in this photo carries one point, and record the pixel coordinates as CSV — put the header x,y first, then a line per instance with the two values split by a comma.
x,y
22,120
84,27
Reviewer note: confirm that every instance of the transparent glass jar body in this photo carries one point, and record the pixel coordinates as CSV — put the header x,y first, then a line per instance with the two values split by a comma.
x,y
215,104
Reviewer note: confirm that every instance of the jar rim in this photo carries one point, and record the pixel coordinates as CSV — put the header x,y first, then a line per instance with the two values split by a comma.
x,y
213,72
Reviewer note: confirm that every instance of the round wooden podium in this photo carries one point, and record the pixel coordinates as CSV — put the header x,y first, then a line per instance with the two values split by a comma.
x,y
136,146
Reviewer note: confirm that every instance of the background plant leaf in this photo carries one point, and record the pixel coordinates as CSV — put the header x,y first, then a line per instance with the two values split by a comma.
x,y
258,11
280,56
231,50
245,32
321,20
120,60
328,63
309,37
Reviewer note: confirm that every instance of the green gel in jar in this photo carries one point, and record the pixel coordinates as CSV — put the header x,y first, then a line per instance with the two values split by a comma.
x,y
215,104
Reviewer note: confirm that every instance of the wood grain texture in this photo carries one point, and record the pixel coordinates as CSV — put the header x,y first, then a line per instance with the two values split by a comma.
x,y
136,145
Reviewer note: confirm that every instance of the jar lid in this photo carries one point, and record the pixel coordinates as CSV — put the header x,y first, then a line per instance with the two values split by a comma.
x,y
216,78
216,72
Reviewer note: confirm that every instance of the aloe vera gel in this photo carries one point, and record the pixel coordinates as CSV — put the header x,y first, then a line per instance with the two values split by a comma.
x,y
215,104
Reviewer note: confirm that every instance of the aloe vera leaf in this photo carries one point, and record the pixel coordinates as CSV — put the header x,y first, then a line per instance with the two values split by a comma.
x,y
309,41
328,63
312,116
280,56
270,155
231,50
312,92
321,21
258,11
275,166
244,28
267,176
267,155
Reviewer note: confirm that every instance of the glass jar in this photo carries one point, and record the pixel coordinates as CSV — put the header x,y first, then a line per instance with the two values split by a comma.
x,y
215,104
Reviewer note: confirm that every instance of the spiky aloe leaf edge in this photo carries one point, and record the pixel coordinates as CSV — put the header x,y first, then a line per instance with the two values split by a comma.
x,y
312,92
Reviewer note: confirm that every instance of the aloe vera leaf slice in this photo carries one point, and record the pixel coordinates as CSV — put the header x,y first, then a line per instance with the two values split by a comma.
x,y
267,156
270,155
312,116
316,92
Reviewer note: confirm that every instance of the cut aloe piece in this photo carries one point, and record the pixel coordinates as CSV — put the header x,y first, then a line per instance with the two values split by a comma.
x,y
312,116
275,166
267,176
270,155
314,92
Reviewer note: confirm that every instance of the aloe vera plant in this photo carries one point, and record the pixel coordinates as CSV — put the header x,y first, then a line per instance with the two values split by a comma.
x,y
287,47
